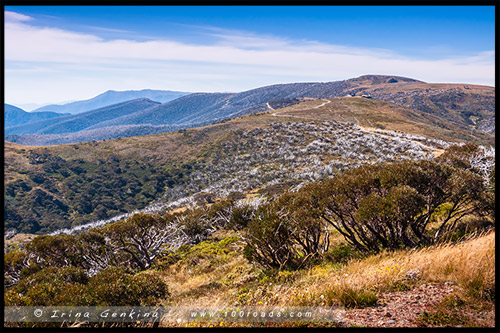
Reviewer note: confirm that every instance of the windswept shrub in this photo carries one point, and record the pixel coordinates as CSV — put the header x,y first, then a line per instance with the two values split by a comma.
x,y
269,239
133,243
70,286
479,160
14,263
143,236
114,287
56,251
95,252
220,213
241,217
376,207
288,231
42,287
473,157
195,224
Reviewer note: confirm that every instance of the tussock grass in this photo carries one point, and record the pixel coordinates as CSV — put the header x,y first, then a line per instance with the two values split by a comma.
x,y
354,282
469,264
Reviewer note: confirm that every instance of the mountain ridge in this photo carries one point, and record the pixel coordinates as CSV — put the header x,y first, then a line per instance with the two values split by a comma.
x,y
111,97
15,116
78,122
449,105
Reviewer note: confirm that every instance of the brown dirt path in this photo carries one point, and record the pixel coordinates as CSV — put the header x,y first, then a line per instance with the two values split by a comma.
x,y
399,308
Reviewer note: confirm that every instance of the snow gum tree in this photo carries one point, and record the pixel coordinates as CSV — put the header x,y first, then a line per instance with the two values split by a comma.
x,y
375,207
390,206
288,231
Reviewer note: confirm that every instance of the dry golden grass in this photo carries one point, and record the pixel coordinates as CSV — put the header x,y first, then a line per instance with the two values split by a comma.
x,y
372,114
209,274
458,263
235,282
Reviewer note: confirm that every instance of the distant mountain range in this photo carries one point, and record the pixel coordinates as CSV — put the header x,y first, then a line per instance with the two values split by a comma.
x,y
75,123
112,97
447,105
14,116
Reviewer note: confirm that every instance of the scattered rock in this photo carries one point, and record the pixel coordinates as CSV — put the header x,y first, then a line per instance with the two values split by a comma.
x,y
401,308
413,274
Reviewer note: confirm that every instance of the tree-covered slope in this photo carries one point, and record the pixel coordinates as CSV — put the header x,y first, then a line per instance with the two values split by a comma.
x,y
60,186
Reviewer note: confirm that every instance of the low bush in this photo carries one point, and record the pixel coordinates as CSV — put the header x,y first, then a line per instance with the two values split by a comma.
x,y
442,318
70,286
42,287
288,232
342,253
374,207
114,286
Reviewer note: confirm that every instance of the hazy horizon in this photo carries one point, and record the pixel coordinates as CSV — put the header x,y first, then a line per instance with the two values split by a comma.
x,y
56,54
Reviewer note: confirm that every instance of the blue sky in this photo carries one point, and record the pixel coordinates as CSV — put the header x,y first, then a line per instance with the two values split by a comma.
x,y
61,53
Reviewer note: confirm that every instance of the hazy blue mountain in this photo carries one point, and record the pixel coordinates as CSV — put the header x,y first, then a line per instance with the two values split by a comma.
x,y
14,116
209,107
79,122
111,97
181,110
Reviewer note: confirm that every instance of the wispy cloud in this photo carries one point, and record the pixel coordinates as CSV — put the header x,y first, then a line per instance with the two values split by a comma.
x,y
105,29
243,59
16,17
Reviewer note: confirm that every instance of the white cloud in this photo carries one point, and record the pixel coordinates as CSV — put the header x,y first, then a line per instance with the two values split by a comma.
x,y
16,17
236,61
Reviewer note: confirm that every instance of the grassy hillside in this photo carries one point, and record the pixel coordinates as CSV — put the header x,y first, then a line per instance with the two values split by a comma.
x,y
66,185
411,288
461,104
446,285
385,115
